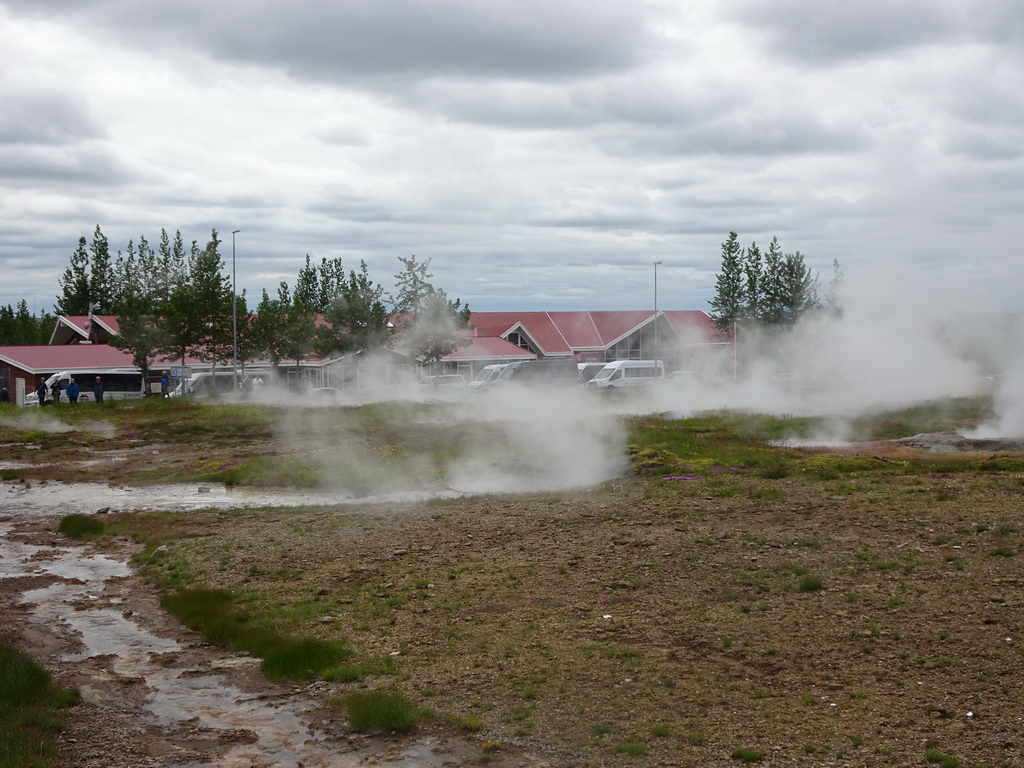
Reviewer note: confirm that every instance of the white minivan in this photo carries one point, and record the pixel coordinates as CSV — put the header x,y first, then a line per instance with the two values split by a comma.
x,y
628,373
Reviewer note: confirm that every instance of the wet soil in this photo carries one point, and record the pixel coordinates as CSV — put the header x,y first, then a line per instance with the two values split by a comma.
x,y
868,618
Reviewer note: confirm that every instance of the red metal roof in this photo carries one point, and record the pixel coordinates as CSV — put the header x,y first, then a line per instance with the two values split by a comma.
x,y
489,347
561,333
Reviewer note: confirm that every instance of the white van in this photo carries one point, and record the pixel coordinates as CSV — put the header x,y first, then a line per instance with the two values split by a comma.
x,y
628,373
118,384
207,384
486,377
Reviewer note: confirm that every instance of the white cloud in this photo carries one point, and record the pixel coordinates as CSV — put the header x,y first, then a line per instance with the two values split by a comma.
x,y
541,154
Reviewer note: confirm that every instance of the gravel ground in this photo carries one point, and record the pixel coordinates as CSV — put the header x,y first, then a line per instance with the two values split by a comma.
x,y
866,618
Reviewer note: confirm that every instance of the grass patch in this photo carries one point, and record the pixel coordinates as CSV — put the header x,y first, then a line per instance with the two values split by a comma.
x,y
214,613
28,705
809,583
746,755
940,758
81,527
373,711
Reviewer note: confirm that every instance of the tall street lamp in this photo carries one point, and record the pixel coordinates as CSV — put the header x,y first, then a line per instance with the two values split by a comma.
x,y
656,319
234,313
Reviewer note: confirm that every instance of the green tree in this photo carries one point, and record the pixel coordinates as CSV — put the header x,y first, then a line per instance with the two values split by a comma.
x,y
357,317
753,274
773,294
427,321
101,277
282,329
729,303
799,288
197,316
74,283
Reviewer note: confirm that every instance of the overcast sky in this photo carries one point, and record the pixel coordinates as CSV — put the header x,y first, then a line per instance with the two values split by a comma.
x,y
542,153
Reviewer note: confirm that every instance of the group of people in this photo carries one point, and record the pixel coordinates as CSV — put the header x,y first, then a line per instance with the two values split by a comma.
x,y
72,390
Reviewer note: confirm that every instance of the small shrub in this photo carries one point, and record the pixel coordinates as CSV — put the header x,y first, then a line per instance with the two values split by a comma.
x,y
1002,552
83,527
471,724
662,730
381,711
746,755
695,739
946,761
810,584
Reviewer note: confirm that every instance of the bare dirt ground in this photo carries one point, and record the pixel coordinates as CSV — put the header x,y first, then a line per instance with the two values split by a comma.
x,y
871,618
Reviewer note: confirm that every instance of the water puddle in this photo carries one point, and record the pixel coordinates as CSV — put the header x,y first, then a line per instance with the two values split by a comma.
x,y
58,498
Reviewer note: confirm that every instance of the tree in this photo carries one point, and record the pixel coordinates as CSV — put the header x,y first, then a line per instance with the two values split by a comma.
x,y
833,299
282,328
427,321
197,316
75,296
753,273
357,316
773,292
729,305
799,288
101,276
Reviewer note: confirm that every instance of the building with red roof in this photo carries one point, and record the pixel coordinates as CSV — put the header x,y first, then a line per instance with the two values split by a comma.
x,y
683,339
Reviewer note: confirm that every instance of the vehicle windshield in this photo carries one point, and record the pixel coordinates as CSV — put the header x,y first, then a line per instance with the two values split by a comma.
x,y
604,373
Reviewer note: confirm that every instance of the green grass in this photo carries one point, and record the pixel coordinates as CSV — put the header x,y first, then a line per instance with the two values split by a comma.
x,y
746,755
946,761
82,527
631,748
214,613
28,705
373,711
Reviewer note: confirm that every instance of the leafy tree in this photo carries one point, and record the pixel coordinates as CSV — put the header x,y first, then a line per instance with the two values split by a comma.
x,y
427,321
357,316
317,287
197,316
282,328
729,304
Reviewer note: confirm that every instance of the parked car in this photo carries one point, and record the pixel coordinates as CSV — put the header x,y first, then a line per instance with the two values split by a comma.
x,y
486,377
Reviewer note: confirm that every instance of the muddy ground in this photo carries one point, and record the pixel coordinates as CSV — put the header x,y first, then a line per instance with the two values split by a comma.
x,y
870,617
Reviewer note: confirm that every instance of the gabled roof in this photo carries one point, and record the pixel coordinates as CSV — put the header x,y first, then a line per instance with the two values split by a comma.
x,y
75,329
563,333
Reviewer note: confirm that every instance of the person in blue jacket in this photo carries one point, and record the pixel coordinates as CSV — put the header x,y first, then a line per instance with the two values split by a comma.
x,y
97,390
72,391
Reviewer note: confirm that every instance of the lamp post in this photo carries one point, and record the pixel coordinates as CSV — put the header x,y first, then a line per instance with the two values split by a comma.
x,y
656,320
234,313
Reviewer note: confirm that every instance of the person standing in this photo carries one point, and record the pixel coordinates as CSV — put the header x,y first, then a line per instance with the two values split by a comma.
x,y
72,391
165,386
5,396
41,392
97,390
55,391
